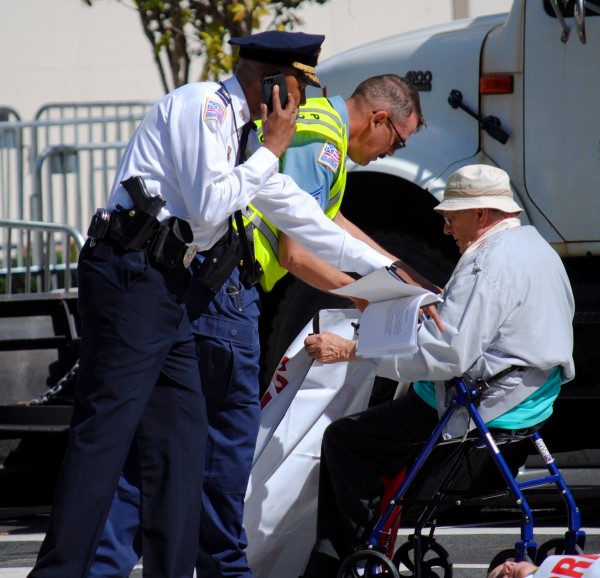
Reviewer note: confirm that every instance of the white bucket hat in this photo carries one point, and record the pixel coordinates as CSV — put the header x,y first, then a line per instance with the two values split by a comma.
x,y
478,187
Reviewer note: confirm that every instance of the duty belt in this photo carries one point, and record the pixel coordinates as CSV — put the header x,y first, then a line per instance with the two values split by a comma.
x,y
166,241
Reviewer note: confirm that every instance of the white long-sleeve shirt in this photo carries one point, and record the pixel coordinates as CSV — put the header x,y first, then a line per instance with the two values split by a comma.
x,y
186,150
508,303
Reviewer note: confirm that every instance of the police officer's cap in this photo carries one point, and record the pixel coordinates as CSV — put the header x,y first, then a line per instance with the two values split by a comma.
x,y
292,49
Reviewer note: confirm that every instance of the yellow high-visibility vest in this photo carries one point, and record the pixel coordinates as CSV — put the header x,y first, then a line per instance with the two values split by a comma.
x,y
317,117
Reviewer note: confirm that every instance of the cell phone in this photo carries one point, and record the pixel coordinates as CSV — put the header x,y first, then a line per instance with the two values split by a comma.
x,y
268,82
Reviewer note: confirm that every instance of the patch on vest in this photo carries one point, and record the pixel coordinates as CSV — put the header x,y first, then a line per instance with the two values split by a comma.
x,y
330,156
214,110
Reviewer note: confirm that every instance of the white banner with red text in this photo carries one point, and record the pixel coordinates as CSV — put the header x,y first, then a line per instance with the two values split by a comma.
x,y
302,399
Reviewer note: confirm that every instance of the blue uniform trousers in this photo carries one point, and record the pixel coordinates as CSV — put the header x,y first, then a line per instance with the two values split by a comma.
x,y
225,328
138,387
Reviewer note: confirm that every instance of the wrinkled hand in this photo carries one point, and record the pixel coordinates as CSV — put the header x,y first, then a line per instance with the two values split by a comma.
x,y
279,127
330,348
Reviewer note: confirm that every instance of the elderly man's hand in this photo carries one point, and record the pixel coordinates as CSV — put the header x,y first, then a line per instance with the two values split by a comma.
x,y
330,348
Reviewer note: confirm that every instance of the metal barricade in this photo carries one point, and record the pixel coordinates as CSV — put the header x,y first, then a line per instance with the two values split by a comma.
x,y
56,169
105,121
71,182
92,109
16,191
37,257
77,124
11,163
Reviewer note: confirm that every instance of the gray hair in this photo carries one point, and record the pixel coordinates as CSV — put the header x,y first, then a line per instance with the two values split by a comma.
x,y
392,93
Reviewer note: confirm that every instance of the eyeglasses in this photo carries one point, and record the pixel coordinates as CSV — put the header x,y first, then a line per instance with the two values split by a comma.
x,y
449,217
400,143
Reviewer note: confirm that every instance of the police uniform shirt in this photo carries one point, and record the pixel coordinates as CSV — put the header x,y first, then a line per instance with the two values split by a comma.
x,y
186,149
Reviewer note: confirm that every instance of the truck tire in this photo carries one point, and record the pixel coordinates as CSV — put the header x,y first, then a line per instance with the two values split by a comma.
x,y
300,302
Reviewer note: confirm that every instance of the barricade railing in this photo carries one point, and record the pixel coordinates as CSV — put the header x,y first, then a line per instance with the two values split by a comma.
x,y
22,141
103,122
8,113
92,109
71,182
38,257
57,168
11,162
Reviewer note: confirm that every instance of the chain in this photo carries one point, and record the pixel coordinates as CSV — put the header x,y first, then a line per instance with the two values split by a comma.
x,y
58,387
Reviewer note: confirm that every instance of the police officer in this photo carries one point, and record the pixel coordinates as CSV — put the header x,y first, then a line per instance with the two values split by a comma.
x,y
225,326
139,385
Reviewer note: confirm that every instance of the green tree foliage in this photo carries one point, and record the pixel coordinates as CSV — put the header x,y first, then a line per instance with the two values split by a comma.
x,y
183,31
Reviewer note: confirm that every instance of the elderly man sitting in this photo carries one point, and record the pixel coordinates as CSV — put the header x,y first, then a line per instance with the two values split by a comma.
x,y
508,302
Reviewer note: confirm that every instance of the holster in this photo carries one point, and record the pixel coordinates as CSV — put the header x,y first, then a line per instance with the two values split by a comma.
x,y
250,269
134,229
170,242
220,260
250,273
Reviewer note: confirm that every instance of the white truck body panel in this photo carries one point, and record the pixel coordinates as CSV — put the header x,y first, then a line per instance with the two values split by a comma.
x,y
447,52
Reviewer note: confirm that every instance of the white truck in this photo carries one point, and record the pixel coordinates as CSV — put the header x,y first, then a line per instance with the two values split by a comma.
x,y
519,91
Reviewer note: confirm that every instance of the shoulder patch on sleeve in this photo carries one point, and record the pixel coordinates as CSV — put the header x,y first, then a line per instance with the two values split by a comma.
x,y
329,156
214,110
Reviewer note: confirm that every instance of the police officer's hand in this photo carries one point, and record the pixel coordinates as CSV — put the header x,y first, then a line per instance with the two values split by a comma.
x,y
432,311
360,304
279,127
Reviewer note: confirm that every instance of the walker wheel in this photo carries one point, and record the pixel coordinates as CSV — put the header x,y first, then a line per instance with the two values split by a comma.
x,y
369,563
554,546
434,563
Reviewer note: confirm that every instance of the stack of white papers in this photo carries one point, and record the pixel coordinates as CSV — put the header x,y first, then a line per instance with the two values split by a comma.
x,y
389,324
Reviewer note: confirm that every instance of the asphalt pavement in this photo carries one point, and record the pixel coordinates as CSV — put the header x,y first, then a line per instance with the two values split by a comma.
x,y
472,536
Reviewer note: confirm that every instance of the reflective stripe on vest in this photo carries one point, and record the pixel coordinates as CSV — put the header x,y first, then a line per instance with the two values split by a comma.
x,y
319,117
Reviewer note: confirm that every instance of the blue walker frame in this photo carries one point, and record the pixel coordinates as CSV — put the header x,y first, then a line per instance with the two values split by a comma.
x,y
383,536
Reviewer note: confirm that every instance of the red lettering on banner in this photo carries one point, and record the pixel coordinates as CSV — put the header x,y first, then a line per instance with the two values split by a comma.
x,y
282,363
282,380
568,567
278,377
265,399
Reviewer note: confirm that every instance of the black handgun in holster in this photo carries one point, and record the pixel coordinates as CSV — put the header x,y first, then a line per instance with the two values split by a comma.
x,y
134,229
